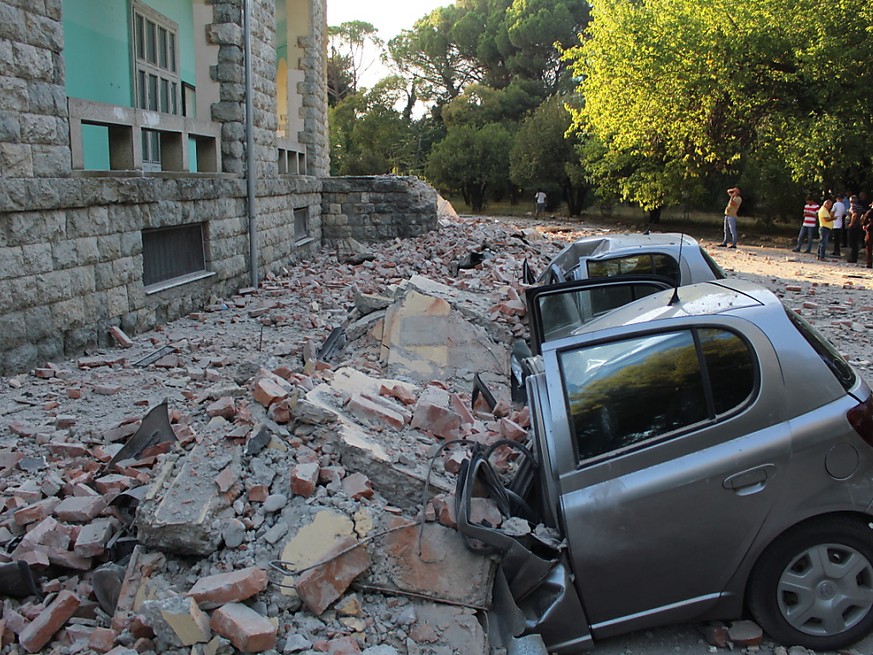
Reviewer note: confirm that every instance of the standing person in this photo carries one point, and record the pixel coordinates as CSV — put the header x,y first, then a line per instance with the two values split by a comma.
x,y
730,218
867,226
858,206
541,202
839,210
825,225
807,229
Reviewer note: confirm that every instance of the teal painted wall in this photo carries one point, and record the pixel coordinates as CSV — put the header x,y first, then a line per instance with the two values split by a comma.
x,y
98,63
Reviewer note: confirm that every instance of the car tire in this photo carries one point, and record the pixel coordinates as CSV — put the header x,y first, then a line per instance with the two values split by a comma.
x,y
813,587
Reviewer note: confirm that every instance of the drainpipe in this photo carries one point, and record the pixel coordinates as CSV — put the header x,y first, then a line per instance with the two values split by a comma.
x,y
250,144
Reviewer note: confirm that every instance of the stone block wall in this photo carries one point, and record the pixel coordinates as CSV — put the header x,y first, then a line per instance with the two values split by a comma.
x,y
71,255
34,124
377,208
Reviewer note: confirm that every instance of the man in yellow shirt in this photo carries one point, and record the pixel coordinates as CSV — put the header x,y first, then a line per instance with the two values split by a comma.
x,y
825,226
730,218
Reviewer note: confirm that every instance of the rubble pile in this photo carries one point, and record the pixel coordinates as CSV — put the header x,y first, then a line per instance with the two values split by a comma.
x,y
272,473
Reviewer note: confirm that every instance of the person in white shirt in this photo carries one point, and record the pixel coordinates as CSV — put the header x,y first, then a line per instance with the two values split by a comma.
x,y
839,209
541,202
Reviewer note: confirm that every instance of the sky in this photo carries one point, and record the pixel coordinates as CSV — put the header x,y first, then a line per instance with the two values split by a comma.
x,y
387,16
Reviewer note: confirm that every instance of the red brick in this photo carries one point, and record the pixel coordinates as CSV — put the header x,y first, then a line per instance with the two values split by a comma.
x,y
267,392
328,474
80,509
323,584
102,639
366,409
107,389
358,486
258,493
304,478
36,512
230,587
398,392
224,407
247,630
40,631
113,483
511,430
433,414
343,646
120,337
225,480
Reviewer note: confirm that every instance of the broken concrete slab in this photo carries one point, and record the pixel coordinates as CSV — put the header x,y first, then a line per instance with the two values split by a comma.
x,y
180,511
438,567
425,338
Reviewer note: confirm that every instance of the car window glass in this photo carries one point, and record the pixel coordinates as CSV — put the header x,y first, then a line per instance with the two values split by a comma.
x,y
562,313
730,366
717,270
829,355
643,264
623,393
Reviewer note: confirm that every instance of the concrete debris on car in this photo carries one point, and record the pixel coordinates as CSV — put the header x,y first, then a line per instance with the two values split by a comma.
x,y
236,481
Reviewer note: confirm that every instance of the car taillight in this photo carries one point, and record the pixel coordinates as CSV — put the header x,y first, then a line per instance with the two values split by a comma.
x,y
861,418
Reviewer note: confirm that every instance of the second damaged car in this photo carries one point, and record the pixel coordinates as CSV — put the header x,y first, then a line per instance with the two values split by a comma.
x,y
698,454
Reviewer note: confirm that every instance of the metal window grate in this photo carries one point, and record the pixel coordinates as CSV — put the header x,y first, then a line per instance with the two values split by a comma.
x,y
301,224
172,252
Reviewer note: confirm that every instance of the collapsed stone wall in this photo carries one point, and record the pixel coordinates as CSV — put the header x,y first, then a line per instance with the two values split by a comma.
x,y
71,254
377,208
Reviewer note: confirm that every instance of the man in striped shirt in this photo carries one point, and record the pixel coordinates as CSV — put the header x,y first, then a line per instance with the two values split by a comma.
x,y
807,230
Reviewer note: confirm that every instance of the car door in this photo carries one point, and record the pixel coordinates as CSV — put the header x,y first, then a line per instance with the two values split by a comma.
x,y
556,310
667,442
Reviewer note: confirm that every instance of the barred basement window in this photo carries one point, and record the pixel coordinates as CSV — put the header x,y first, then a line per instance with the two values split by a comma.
x,y
172,252
156,73
301,224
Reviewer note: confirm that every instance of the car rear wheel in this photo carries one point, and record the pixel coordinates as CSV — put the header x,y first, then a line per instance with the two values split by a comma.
x,y
814,586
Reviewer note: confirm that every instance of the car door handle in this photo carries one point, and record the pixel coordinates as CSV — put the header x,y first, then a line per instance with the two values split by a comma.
x,y
750,481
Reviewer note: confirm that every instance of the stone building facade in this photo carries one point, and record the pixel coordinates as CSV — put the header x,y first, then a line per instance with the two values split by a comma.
x,y
125,198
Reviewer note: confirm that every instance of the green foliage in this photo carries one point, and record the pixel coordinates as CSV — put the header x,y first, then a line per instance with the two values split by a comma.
x,y
678,90
369,136
471,160
544,157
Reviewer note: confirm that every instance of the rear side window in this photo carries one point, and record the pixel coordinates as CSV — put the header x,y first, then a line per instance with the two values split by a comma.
x,y
717,270
642,264
829,355
626,393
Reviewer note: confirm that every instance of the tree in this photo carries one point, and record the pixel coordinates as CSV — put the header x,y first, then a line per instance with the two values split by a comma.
x,y
348,57
544,156
471,160
368,135
678,90
428,55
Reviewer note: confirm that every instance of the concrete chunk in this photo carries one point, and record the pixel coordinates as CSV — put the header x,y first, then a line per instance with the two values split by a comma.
x,y
446,571
179,511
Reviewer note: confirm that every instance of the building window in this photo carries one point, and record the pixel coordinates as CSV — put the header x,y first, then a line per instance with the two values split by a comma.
x,y
156,73
301,224
172,252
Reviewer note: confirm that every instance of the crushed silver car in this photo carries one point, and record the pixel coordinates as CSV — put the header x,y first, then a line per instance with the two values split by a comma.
x,y
677,257
694,453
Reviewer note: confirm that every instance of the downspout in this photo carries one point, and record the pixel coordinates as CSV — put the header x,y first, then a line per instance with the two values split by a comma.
x,y
250,144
